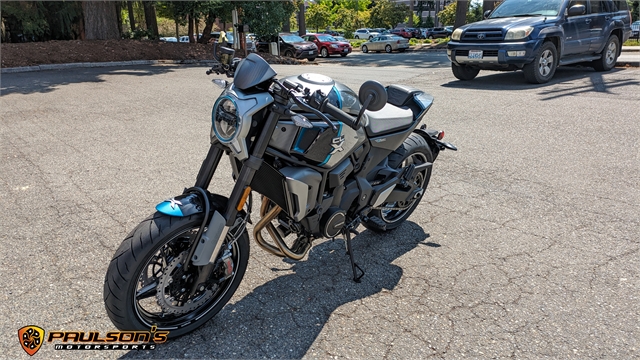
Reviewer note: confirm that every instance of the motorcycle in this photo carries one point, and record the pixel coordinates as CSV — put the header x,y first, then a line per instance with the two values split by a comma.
x,y
324,162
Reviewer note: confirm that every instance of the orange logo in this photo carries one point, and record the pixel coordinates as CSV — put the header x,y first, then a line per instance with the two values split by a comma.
x,y
31,338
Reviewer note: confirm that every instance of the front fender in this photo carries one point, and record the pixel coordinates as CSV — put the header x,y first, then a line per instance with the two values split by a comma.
x,y
181,206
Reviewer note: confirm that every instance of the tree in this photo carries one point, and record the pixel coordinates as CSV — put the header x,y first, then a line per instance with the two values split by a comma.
x,y
151,19
317,16
461,13
100,20
448,15
388,14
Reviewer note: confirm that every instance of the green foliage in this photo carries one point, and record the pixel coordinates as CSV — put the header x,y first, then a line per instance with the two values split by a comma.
x,y
448,15
318,16
388,14
443,40
41,20
265,18
357,43
428,23
631,42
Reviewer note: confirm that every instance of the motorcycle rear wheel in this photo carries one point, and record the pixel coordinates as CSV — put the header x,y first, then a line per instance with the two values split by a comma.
x,y
414,150
155,247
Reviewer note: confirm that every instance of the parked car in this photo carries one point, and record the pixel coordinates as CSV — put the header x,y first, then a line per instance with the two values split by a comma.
x,y
387,43
328,45
635,29
435,33
184,39
537,36
169,39
341,38
449,29
403,32
291,45
415,33
365,34
331,32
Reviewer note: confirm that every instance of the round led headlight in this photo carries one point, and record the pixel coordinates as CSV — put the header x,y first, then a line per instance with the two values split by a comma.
x,y
226,122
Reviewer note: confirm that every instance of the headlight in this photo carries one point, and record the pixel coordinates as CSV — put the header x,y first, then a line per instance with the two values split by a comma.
x,y
457,34
297,46
226,123
334,46
518,33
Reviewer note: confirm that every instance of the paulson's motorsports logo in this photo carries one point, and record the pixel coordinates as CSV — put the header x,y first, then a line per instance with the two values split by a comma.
x,y
31,338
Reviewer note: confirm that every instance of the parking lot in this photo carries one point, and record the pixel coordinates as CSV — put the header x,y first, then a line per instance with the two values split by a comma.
x,y
525,245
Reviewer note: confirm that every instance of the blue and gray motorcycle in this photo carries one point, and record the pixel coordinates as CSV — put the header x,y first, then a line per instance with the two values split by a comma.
x,y
323,160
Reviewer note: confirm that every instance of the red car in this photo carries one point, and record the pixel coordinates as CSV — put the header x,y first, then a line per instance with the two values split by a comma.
x,y
328,45
405,33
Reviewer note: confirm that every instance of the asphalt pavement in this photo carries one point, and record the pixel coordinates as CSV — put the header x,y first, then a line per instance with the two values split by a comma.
x,y
525,245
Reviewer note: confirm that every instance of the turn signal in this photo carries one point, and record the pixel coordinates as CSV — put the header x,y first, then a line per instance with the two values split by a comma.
x,y
244,197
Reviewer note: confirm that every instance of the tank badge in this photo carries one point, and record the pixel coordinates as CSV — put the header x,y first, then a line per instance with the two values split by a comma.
x,y
337,143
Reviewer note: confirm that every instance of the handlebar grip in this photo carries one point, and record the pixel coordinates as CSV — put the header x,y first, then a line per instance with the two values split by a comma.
x,y
340,115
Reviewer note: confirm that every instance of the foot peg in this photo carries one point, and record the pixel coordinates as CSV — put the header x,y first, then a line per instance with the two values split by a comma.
x,y
378,223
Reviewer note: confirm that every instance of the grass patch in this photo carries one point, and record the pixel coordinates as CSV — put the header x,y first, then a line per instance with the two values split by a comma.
x,y
631,43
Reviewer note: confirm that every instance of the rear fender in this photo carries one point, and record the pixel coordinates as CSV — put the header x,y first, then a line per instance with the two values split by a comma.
x,y
431,136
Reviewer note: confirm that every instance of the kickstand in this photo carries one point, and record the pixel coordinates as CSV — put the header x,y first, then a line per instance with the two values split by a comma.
x,y
354,266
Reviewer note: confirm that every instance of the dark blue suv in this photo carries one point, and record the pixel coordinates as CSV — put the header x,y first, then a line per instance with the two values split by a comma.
x,y
538,35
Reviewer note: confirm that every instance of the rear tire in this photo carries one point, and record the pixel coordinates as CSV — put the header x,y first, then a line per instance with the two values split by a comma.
x,y
416,150
388,49
609,55
365,49
464,72
157,245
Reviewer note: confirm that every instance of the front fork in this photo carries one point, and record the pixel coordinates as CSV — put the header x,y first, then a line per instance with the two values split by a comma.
x,y
208,243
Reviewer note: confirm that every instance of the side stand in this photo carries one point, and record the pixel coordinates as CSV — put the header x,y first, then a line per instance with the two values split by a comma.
x,y
354,266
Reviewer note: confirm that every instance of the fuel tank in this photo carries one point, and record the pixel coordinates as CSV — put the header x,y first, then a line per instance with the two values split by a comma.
x,y
320,146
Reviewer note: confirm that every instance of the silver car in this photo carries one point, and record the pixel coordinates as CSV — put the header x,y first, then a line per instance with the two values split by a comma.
x,y
387,43
635,29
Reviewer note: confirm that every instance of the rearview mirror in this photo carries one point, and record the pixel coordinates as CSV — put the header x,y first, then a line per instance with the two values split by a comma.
x,y
373,95
487,13
577,10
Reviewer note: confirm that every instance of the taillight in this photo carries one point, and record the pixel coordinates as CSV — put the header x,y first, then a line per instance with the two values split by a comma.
x,y
440,135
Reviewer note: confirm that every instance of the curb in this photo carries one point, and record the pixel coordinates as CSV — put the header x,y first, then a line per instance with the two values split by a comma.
x,y
99,64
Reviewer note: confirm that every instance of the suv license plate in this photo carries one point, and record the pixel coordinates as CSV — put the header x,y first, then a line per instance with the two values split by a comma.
x,y
475,54
311,52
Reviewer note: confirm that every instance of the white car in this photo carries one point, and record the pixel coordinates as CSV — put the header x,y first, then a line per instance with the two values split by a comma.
x,y
169,39
184,39
365,34
635,29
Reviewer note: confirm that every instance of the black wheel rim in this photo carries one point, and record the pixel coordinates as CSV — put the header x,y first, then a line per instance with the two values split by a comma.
x,y
144,298
391,216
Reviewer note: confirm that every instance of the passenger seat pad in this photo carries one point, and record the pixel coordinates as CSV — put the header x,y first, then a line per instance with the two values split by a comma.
x,y
387,119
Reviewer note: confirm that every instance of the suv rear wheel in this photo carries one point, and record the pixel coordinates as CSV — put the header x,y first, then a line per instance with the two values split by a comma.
x,y
609,55
543,66
464,72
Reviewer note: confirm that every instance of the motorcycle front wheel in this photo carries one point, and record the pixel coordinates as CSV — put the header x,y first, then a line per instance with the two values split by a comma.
x,y
147,285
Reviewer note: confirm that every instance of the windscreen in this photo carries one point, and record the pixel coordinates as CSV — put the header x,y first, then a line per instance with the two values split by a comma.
x,y
514,8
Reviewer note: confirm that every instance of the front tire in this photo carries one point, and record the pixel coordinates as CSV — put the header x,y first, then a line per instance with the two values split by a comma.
x,y
609,55
145,284
464,72
414,150
324,53
544,65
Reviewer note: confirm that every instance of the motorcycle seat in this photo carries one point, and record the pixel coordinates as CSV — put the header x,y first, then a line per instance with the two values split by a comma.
x,y
389,119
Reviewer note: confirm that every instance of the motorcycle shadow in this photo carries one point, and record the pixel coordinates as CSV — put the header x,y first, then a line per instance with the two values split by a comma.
x,y
283,317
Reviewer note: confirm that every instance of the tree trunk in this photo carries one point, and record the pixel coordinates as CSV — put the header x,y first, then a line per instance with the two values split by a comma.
x,y
461,13
286,26
132,18
100,20
302,26
177,30
410,13
150,18
206,32
190,28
